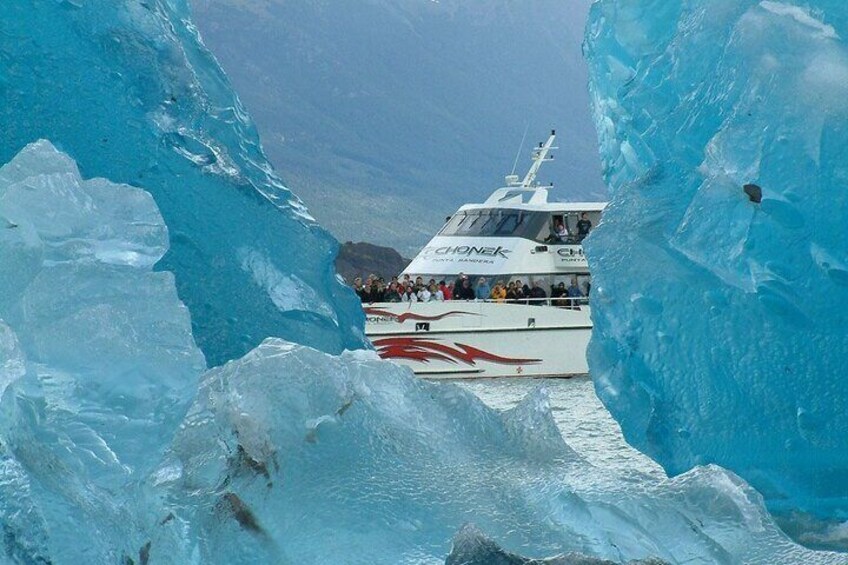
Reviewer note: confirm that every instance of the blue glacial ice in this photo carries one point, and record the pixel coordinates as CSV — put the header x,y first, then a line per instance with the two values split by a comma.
x,y
97,359
118,446
127,89
720,327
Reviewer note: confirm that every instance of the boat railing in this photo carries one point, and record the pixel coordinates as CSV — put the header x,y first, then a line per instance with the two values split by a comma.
x,y
568,302
573,302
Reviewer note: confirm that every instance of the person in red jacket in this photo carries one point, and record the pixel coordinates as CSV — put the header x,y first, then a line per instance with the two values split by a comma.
x,y
446,290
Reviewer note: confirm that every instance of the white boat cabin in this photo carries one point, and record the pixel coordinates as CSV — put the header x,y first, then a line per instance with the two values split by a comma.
x,y
516,234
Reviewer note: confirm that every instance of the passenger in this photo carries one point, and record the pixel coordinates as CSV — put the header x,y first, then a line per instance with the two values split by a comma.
x,y
560,232
498,293
464,292
419,283
483,290
377,291
557,290
409,295
436,295
423,294
511,292
574,290
559,293
392,294
537,293
406,281
457,284
445,290
584,226
525,290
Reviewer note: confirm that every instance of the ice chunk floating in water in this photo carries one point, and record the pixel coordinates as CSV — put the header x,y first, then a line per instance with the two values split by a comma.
x,y
127,89
288,454
294,455
721,309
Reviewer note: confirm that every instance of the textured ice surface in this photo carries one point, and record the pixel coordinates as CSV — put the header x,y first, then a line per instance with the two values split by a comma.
x,y
720,327
293,455
126,88
97,359
472,547
289,454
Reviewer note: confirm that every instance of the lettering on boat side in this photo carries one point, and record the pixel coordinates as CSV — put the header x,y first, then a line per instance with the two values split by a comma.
x,y
571,255
570,252
467,250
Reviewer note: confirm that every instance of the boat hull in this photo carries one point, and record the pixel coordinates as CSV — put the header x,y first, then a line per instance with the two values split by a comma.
x,y
467,339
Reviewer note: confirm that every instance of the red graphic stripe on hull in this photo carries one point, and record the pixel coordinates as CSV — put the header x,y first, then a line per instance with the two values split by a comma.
x,y
401,318
426,350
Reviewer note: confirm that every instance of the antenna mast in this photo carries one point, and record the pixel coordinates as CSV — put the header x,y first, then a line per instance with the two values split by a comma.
x,y
520,147
540,155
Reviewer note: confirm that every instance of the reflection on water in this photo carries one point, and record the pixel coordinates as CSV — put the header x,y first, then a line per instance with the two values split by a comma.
x,y
584,422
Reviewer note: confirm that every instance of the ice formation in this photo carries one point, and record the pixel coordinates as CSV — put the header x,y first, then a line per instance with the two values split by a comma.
x,y
97,360
117,447
721,279
127,89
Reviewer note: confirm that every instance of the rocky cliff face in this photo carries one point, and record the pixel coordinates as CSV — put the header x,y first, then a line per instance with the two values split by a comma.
x,y
363,259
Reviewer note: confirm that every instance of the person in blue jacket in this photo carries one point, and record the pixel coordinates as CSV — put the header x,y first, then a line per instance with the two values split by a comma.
x,y
483,290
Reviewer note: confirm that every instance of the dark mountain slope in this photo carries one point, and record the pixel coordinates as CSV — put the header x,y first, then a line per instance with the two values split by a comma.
x,y
363,259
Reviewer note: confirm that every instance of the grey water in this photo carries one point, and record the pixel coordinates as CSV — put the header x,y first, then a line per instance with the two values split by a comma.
x,y
588,428
584,422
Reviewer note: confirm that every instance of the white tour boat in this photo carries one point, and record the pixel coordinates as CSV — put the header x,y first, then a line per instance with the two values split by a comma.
x,y
515,235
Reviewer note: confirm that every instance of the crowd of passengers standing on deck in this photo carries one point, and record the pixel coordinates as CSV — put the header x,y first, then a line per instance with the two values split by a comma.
x,y
375,289
405,289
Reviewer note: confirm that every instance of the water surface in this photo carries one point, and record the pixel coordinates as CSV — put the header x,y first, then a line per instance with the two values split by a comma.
x,y
584,422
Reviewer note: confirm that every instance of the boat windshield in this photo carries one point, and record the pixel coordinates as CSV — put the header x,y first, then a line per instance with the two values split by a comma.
x,y
498,222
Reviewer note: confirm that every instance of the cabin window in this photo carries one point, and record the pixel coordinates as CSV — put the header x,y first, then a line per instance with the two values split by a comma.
x,y
453,224
498,223
467,227
488,223
509,223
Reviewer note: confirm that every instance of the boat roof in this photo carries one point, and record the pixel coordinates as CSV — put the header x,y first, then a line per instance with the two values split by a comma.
x,y
531,198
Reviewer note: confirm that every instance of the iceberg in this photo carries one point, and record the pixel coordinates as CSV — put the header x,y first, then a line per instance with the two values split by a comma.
x,y
98,364
128,90
117,445
719,269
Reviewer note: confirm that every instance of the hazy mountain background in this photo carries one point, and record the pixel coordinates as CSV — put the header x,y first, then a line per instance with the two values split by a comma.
x,y
385,115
